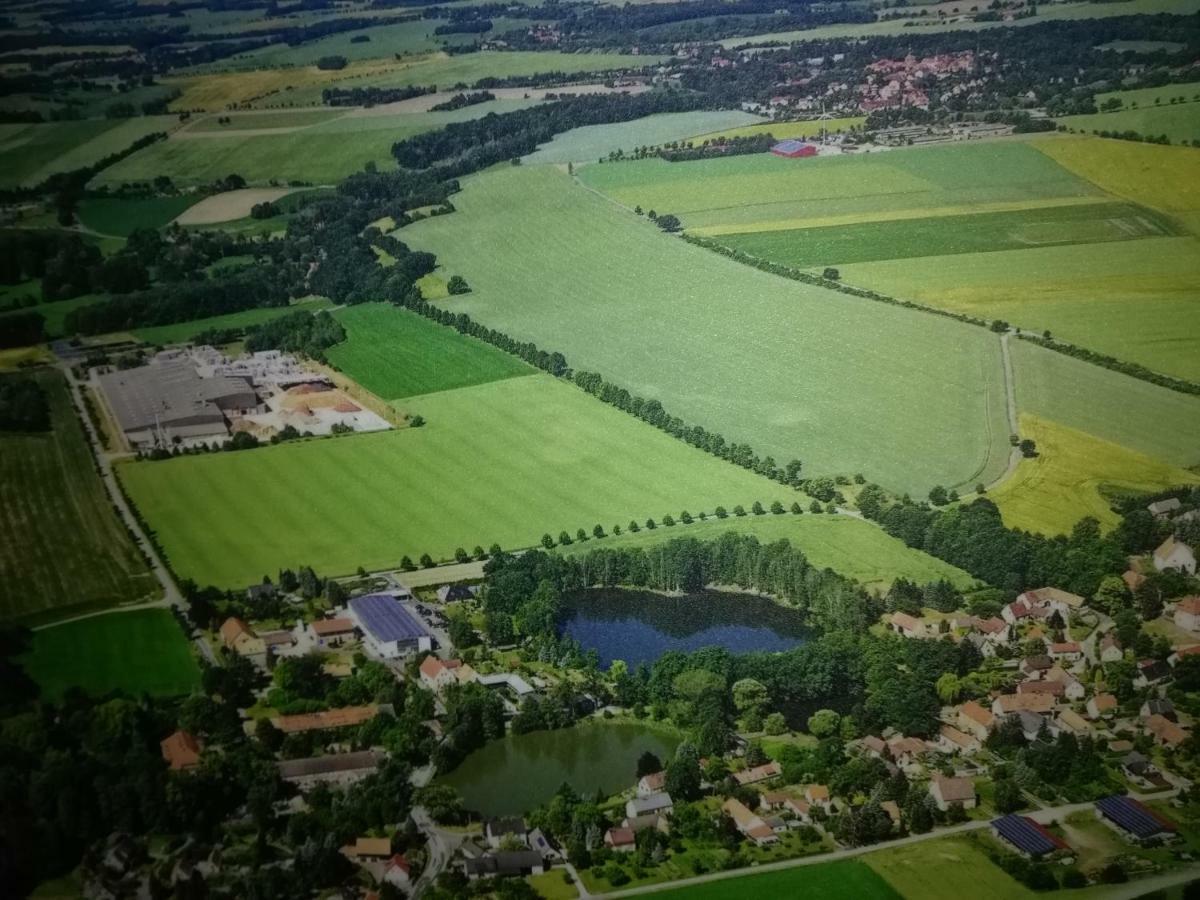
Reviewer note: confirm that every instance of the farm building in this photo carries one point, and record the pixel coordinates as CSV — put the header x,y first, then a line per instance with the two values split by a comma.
x,y
793,149
1026,836
946,791
1134,820
332,632
338,768
389,630
1174,554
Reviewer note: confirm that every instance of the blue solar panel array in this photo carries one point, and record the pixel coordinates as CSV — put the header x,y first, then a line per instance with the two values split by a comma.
x,y
385,619
791,145
1024,835
1133,817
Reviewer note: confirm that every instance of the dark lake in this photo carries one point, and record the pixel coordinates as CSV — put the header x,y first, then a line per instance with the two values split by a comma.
x,y
639,626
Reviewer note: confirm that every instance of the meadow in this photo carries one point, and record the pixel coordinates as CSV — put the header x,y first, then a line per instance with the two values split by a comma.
x,y
1135,300
946,869
500,463
30,153
268,119
840,880
818,376
853,547
590,142
1152,420
395,353
55,313
122,216
181,332
1073,476
804,128
1044,226
761,190
1180,122
138,652
61,544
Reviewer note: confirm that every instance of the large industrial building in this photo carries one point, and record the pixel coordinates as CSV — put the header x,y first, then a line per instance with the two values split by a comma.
x,y
389,630
167,403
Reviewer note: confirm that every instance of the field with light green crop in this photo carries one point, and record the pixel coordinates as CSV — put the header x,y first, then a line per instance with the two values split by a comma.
x,y
795,371
395,353
30,153
853,547
748,193
138,652
591,142
1180,122
61,544
503,462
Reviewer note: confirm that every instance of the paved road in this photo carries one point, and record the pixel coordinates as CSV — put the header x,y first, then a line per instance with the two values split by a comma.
x,y
441,847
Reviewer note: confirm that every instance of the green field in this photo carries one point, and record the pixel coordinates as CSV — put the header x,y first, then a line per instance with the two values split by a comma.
x,y
266,119
395,353
947,869
590,142
803,128
853,547
55,313
1043,226
139,652
796,371
761,189
1134,300
124,215
1158,422
181,332
1070,477
841,880
30,153
61,544
503,462
1180,122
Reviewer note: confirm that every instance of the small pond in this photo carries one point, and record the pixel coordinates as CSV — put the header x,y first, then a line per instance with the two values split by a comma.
x,y
640,626
519,772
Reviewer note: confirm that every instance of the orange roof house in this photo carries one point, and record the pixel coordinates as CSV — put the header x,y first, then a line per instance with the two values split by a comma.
x,y
181,750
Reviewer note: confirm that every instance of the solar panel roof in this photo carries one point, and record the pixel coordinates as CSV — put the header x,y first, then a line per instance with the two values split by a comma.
x,y
1026,835
385,619
1133,816
788,146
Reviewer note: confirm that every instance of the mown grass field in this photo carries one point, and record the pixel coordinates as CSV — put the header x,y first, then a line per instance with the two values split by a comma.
x,y
1180,122
1070,477
395,353
61,544
591,142
853,547
184,331
30,153
1043,226
761,190
804,128
1158,422
794,370
502,462
1134,300
946,869
139,652
122,216
840,880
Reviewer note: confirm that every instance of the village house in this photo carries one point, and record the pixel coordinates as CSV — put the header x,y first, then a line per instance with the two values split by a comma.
x,y
332,632
331,768
181,750
818,795
398,872
1062,601
344,717
620,840
1150,671
495,830
1162,509
906,751
1101,705
1073,723
659,804
974,719
1067,651
1183,653
752,827
907,626
1055,689
651,784
952,791
505,863
368,849
1109,648
1035,666
1073,688
1165,732
1006,704
637,824
437,674
1174,554
951,740
239,637
1032,724
1159,706
781,802
873,746
1187,614
758,773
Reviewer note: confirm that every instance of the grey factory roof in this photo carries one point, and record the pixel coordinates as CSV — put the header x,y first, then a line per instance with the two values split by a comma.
x,y
171,393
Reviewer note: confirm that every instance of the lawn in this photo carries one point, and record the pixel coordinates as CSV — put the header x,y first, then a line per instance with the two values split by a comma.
x,y
181,332
590,142
796,371
139,651
760,189
395,353
1178,121
61,544
847,545
122,216
848,879
1068,478
1133,300
30,153
1043,226
1158,422
946,869
554,884
503,462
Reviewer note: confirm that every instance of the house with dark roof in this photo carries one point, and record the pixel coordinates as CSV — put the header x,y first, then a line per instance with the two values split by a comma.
x,y
505,863
495,830
336,768
1151,671
659,804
